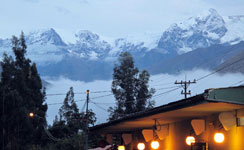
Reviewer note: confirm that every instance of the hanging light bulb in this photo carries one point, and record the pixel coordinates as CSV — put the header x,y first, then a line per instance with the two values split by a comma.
x,y
121,147
31,115
141,146
154,144
190,140
219,137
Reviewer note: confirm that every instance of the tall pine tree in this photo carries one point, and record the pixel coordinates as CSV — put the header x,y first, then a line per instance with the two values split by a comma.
x,y
130,88
21,93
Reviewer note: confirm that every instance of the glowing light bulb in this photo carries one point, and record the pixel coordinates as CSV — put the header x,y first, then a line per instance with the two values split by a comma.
x,y
141,146
121,147
31,114
155,144
219,137
190,140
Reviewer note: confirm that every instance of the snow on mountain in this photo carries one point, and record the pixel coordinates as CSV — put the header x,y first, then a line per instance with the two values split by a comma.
x,y
147,39
88,39
44,36
235,32
196,32
137,44
43,46
209,28
89,45
4,43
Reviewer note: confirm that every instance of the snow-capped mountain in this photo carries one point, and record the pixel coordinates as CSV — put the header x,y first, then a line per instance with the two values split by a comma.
x,y
43,46
89,46
202,31
44,36
5,43
49,51
235,32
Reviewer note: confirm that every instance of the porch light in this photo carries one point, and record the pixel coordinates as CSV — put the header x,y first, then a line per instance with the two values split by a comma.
x,y
190,140
31,115
121,147
219,137
141,146
154,144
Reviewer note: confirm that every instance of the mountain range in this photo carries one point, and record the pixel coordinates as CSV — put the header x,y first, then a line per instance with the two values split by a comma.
x,y
203,41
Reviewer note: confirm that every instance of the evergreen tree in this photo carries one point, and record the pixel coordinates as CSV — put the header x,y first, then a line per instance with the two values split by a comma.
x,y
143,93
130,88
66,127
69,106
67,112
21,93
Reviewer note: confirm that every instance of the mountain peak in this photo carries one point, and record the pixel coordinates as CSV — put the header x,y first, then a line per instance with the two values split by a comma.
x,y
86,35
196,32
213,11
44,36
208,19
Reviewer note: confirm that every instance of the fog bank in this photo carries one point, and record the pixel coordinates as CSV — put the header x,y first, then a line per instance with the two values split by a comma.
x,y
166,90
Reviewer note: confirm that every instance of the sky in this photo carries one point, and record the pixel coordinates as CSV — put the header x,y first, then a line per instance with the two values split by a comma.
x,y
109,18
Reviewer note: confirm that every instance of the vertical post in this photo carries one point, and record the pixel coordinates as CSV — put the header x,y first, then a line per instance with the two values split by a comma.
x,y
185,90
185,85
3,122
87,118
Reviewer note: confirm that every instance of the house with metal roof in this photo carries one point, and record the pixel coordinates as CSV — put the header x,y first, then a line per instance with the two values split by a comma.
x,y
213,120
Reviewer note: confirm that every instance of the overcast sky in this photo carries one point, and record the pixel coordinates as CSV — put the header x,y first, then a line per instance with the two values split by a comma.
x,y
110,18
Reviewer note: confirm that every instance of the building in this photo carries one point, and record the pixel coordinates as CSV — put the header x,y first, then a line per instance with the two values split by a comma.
x,y
199,118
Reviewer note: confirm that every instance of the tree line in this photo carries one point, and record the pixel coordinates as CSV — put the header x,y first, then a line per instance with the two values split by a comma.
x,y
22,93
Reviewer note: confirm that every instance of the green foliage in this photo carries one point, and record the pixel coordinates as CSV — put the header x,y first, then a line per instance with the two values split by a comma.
x,y
70,125
130,88
21,93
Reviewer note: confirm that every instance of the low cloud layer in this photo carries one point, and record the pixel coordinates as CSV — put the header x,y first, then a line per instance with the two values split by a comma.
x,y
163,83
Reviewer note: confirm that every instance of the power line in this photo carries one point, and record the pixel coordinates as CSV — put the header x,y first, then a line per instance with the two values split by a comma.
x,y
96,104
101,96
102,92
105,103
62,94
95,92
62,102
185,85
238,82
157,95
160,79
166,92
167,83
220,69
166,88
82,99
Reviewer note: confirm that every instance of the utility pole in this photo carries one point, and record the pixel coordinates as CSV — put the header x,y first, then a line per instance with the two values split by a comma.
x,y
87,117
185,85
3,117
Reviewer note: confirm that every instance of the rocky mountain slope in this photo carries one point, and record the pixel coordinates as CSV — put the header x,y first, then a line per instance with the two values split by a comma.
x,y
204,58
234,64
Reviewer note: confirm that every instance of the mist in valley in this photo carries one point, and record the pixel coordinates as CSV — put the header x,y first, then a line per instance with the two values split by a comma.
x,y
101,97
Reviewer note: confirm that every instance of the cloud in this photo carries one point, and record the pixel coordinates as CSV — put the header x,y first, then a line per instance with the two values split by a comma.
x,y
162,83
